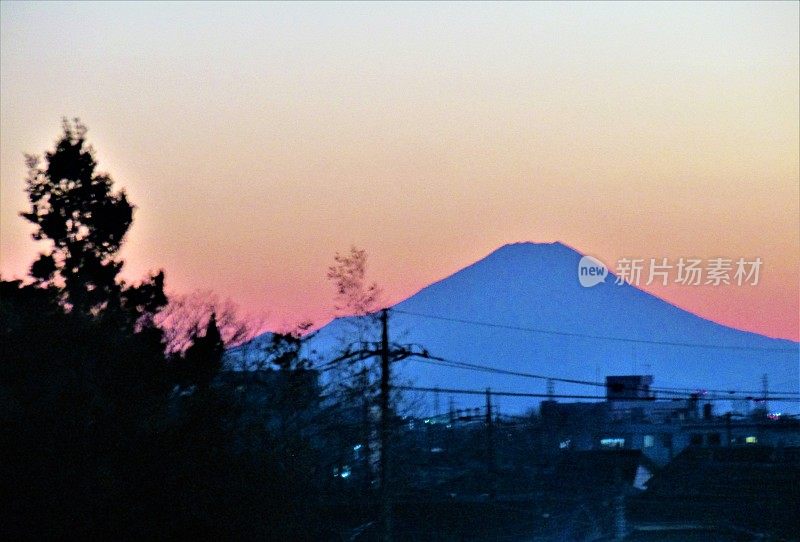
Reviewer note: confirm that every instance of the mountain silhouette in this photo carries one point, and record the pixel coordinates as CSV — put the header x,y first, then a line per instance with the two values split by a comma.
x,y
539,319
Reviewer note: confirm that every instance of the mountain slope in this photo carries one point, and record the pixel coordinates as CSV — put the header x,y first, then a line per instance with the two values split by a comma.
x,y
535,286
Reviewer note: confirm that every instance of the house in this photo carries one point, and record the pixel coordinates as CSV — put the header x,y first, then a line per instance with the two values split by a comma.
x,y
632,418
736,493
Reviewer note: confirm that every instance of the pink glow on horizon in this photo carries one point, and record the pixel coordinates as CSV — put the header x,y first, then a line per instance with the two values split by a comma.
x,y
259,139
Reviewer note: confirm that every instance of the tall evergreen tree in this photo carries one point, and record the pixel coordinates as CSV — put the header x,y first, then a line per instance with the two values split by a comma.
x,y
75,208
203,359
83,378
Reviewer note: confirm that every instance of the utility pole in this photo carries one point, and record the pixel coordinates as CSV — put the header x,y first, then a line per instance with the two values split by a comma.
x,y
490,444
620,524
765,391
386,496
366,428
618,503
449,428
387,354
728,435
452,411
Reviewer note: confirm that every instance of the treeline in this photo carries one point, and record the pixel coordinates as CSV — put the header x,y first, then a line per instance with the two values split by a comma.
x,y
109,434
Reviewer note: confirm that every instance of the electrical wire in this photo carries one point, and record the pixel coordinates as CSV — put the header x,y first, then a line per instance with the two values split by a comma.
x,y
463,391
445,362
590,336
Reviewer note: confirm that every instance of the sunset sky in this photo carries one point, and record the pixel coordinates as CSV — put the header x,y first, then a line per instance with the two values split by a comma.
x,y
259,139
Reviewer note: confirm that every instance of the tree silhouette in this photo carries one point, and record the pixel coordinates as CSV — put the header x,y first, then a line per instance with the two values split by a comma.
x,y
83,377
203,359
75,208
94,443
354,295
186,316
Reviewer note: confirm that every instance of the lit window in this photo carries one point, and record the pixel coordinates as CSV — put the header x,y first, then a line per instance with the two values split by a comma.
x,y
343,472
649,441
751,440
612,442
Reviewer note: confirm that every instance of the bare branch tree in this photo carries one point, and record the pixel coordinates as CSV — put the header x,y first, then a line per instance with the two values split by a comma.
x,y
354,295
187,315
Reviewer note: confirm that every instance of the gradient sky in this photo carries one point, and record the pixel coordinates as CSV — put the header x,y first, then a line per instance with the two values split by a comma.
x,y
259,139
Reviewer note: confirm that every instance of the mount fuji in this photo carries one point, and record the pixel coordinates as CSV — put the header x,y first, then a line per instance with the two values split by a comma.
x,y
543,321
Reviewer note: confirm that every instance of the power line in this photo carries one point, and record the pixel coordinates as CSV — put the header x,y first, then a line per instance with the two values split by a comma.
x,y
444,362
425,357
589,336
462,391
502,393
732,395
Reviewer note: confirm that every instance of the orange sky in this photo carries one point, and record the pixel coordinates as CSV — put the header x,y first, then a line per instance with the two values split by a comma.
x,y
259,139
